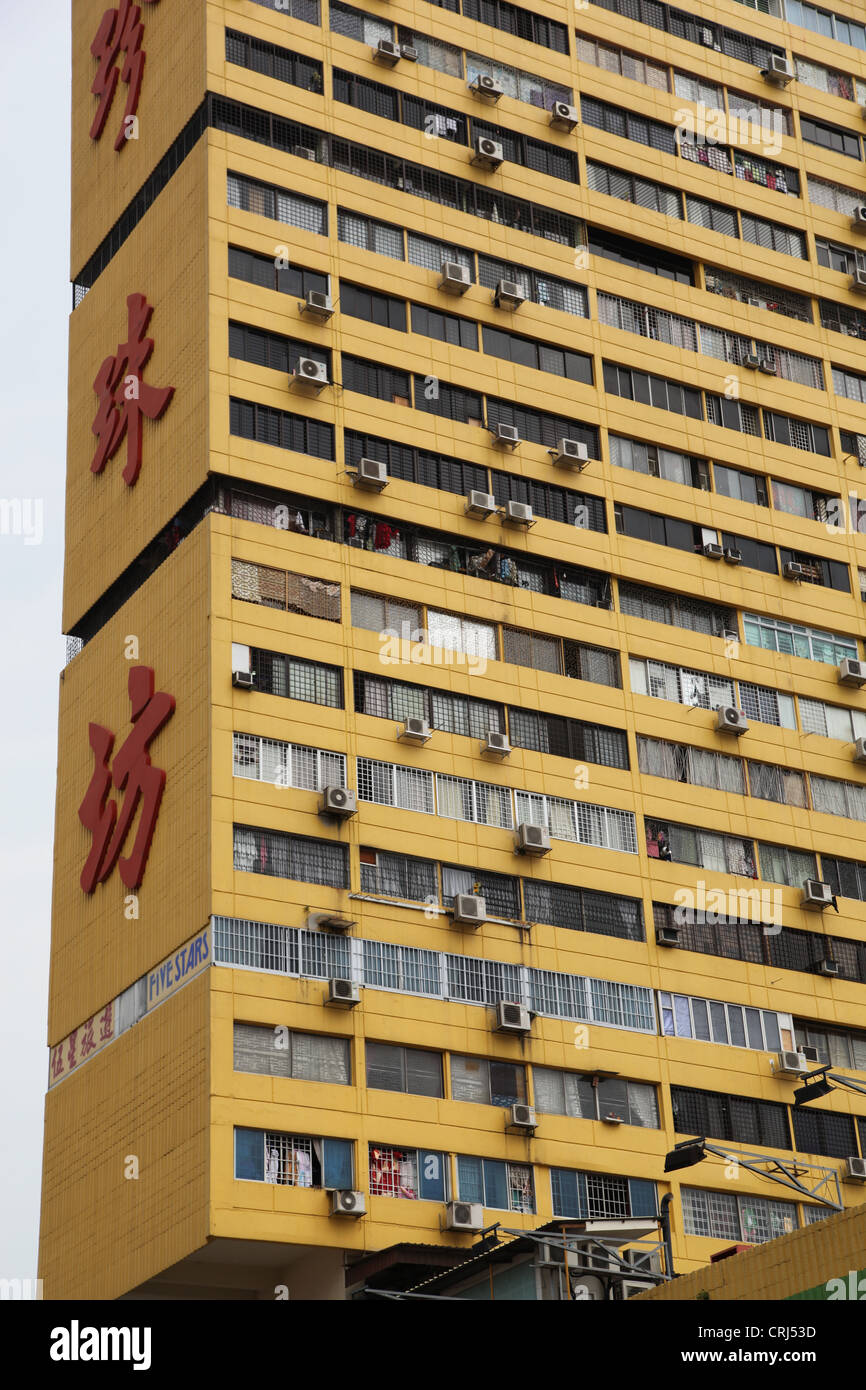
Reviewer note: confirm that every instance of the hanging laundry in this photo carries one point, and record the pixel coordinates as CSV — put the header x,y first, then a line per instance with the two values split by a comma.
x,y
383,536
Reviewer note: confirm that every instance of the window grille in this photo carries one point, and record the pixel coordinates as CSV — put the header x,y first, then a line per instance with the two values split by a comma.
x,y
737,1119
676,610
773,236
777,301
578,821
779,864
290,856
501,893
715,157
355,24
629,188
287,764
837,798
398,876
767,706
296,679
696,766
250,195
724,1216
459,798
714,216
370,235
647,321
434,53
581,909
776,635
662,681
781,784
293,593
776,177
409,788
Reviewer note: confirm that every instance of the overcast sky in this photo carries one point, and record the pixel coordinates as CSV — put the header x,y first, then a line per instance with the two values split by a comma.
x,y
35,299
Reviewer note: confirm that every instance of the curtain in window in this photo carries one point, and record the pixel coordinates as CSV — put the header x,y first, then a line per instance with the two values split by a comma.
x,y
316,1058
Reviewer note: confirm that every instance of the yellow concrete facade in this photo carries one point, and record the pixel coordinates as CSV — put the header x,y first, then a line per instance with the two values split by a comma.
x,y
167,1090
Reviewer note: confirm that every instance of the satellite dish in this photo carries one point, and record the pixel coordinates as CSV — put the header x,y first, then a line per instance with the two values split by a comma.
x,y
588,1288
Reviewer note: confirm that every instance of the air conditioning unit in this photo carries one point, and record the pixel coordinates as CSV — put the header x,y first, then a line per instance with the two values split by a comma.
x,y
858,279
668,936
860,750
768,366
464,1216
563,116
791,570
816,894
505,435
733,556
752,361
569,453
522,1117
317,305
851,672
414,730
310,375
858,217
779,72
630,1288
790,1064
345,1202
469,909
304,152
712,550
489,154
508,295
455,277
756,303
347,992
387,52
338,801
532,840
855,1169
496,743
512,1018
809,1054
828,967
481,504
730,720
408,52
244,680
517,514
486,86
371,474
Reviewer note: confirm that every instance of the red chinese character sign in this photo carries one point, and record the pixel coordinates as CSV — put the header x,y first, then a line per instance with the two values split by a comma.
x,y
131,773
119,37
125,399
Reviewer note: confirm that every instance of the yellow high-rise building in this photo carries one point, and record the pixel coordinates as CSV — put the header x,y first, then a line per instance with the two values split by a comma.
x,y
461,792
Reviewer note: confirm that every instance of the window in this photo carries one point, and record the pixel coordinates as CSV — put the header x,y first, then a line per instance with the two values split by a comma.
x,y
398,876
836,1047
378,614
777,177
630,188
355,24
272,61
430,255
578,821
715,217
409,788
267,200
525,352
780,864
262,270
281,428
762,296
445,328
453,402
289,592
522,86
455,714
696,766
767,706
646,321
539,427
800,501
371,379
738,1119
409,1069
307,10
681,844
287,764
514,19
370,235
665,682
773,236
836,798
588,1196
291,1160
657,391
466,635
537,155
824,1132
639,256
373,307
459,798
724,1216
542,289
624,64
798,434
659,530
496,1185
657,462
616,120
272,350
710,1020
676,610
595,1097
832,721
487,1082
501,892
744,487
297,679
810,643
830,137
733,415
583,909
416,1174
568,738
291,856
280,1052
780,784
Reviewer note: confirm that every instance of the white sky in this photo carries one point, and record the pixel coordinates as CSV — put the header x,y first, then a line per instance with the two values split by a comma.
x,y
34,308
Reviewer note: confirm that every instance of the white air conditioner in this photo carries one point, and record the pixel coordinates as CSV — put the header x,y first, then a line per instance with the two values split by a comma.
x,y
244,680
486,86
414,730
668,936
317,304
489,154
455,277
858,279
791,570
522,1117
512,1018
816,894
730,720
346,992
371,474
304,152
809,1054
464,1216
496,743
855,1169
851,672
790,1064
733,556
532,839
569,453
508,295
713,550
828,967
345,1202
779,72
517,514
505,435
858,217
387,52
309,375
752,361
409,52
339,802
480,504
469,909
860,750
563,116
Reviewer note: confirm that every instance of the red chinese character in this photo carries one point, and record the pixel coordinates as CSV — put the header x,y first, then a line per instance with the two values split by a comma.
x,y
133,774
87,1040
70,1059
124,398
120,31
106,1023
57,1061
